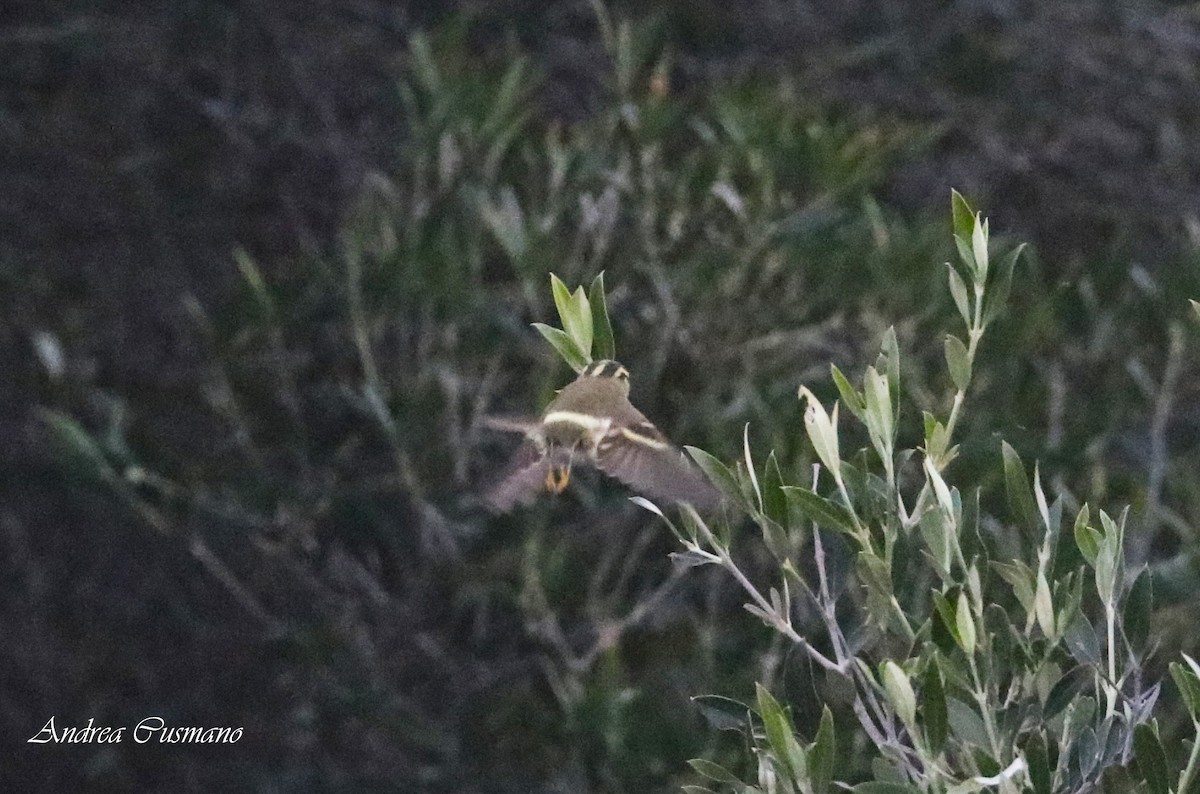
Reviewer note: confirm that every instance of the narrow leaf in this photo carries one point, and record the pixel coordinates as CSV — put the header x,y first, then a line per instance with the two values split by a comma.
x,y
822,754
605,344
1020,499
933,707
820,510
853,400
962,215
958,361
776,723
1138,607
714,771
718,473
1151,760
1001,285
958,291
565,346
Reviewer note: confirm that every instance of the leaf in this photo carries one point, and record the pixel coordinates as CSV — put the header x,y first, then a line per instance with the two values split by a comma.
x,y
606,347
581,321
777,725
1151,760
958,291
979,248
1086,539
714,771
964,624
78,447
690,559
1139,605
958,361
882,787
722,713
961,214
1020,499
565,346
1189,688
933,707
775,503
819,510
822,754
850,396
718,473
1082,641
1064,691
1039,763
821,427
899,691
1001,285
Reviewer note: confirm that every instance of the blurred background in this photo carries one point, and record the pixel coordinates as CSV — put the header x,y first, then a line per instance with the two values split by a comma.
x,y
264,267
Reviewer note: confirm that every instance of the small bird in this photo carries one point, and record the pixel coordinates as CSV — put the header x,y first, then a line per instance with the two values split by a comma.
x,y
592,420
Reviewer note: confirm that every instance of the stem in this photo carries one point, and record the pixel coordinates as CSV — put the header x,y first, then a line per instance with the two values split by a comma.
x,y
780,623
1189,771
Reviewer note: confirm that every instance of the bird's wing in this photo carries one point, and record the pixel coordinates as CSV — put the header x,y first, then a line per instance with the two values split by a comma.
x,y
638,455
522,479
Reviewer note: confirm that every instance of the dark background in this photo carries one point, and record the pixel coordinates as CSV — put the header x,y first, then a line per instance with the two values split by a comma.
x,y
206,515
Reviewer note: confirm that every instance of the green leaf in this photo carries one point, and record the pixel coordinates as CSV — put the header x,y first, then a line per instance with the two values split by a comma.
x,y
775,503
606,347
689,789
1039,763
850,397
962,215
818,509
1021,578
581,321
575,314
714,771
1082,641
933,706
722,713
822,754
1065,690
1151,760
1020,498
565,346
717,472
958,361
964,624
889,364
1138,607
1001,286
78,447
1086,538
879,418
778,727
1189,688
882,787
958,291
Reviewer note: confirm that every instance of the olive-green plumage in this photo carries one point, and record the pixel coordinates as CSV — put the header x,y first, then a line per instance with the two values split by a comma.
x,y
591,419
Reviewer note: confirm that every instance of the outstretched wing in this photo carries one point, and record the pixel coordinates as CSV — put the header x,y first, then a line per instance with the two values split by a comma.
x,y
638,455
521,481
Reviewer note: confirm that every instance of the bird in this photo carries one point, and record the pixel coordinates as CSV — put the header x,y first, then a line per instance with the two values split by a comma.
x,y
591,420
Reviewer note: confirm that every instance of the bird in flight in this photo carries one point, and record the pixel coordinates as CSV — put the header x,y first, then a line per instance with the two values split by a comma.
x,y
591,420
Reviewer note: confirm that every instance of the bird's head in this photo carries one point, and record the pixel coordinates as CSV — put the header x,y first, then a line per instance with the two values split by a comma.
x,y
607,369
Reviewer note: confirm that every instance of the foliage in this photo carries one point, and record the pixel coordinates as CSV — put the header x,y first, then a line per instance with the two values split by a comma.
x,y
980,654
309,469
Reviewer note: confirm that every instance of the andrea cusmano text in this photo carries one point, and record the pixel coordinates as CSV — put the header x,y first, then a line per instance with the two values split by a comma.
x,y
150,729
